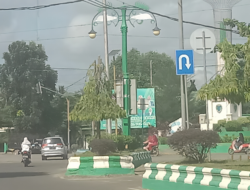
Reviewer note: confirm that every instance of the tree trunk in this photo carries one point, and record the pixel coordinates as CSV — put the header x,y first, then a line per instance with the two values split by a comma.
x,y
98,130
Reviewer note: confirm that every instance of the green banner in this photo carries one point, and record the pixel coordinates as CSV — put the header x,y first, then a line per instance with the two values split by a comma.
x,y
148,115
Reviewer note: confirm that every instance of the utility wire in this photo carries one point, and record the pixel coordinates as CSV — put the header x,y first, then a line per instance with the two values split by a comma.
x,y
204,10
75,82
111,7
80,25
45,6
73,37
91,2
70,68
176,19
99,3
60,69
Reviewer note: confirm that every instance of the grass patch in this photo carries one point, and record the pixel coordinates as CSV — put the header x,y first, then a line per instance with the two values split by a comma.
x,y
220,164
122,153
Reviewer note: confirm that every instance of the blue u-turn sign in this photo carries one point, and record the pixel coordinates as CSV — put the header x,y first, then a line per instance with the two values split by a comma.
x,y
184,62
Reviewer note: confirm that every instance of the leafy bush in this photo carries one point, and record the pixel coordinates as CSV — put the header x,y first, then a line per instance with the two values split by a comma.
x,y
163,140
121,141
244,121
247,139
227,139
194,143
90,138
233,126
4,137
132,142
222,123
216,127
102,146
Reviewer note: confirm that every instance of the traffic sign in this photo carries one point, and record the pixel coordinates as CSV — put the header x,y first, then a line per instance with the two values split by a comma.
x,y
184,62
196,40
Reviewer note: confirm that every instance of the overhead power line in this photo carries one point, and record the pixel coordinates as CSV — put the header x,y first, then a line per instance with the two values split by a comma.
x,y
176,19
52,28
109,7
205,10
46,6
75,82
99,4
61,69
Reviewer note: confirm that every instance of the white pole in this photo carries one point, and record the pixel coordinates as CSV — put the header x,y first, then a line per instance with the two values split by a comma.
x,y
151,73
205,72
105,29
183,107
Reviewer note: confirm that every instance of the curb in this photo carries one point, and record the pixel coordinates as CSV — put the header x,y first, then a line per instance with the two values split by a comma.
x,y
100,166
160,176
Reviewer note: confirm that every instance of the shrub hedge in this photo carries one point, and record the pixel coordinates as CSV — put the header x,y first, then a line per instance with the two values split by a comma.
x,y
121,141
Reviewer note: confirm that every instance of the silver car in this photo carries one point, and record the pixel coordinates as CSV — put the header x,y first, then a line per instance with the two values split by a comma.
x,y
53,147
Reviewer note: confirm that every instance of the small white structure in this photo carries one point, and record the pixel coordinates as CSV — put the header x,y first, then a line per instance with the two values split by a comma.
x,y
176,126
4,129
220,110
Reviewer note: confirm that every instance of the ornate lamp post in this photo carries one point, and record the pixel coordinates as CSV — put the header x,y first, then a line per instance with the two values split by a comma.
x,y
132,17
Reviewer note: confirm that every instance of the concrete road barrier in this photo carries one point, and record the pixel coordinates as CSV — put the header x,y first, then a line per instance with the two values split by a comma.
x,y
165,176
141,158
100,165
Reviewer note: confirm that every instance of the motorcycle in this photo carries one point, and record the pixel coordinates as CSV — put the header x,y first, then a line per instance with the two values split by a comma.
x,y
155,150
244,148
25,158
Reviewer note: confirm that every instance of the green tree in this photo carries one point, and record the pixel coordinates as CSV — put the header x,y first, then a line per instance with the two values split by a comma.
x,y
96,103
59,104
24,66
234,84
165,80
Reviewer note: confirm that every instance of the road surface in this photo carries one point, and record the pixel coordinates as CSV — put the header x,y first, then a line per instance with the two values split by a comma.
x,y
49,175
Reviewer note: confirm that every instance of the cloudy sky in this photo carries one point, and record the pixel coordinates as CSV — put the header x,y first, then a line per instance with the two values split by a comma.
x,y
63,31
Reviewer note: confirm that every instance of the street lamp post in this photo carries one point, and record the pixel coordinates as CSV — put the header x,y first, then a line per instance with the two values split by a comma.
x,y
124,29
126,93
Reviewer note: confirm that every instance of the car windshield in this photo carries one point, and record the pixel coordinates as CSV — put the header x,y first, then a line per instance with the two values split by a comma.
x,y
52,141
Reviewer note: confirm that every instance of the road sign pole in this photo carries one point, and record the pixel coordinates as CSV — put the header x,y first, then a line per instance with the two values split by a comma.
x,y
142,106
183,108
142,121
205,72
186,100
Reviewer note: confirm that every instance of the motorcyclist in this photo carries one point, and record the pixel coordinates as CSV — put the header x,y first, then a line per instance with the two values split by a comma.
x,y
152,139
26,145
240,140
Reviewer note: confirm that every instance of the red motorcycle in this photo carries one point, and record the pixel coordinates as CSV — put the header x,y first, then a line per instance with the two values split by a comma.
x,y
244,148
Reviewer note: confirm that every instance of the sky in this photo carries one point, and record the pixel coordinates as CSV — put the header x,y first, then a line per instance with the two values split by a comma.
x,y
63,31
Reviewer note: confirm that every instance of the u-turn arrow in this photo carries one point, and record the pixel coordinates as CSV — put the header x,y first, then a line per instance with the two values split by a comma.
x,y
188,65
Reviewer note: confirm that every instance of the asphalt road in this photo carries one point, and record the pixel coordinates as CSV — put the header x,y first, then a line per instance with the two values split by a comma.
x,y
49,174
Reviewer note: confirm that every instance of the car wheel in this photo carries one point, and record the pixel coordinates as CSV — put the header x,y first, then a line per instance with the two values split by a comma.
x,y
44,158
